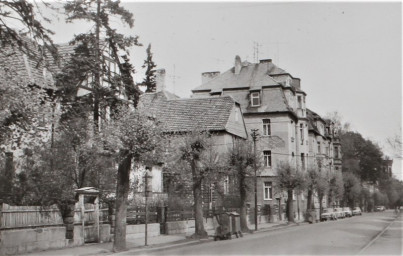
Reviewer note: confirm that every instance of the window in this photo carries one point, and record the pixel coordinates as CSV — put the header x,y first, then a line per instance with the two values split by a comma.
x,y
268,191
301,131
303,161
267,158
299,102
266,127
336,152
226,186
319,147
255,99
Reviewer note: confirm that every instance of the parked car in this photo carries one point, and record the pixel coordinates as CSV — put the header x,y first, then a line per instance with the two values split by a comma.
x,y
357,211
347,212
339,213
380,208
327,214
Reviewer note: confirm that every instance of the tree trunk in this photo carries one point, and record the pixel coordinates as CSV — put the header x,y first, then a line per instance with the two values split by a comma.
x,y
97,74
243,192
122,191
320,195
309,199
290,206
200,232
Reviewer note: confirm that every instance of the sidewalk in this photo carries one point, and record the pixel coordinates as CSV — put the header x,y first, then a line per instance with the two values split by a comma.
x,y
157,242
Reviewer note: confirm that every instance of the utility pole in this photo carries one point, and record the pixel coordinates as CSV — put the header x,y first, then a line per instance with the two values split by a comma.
x,y
147,192
254,137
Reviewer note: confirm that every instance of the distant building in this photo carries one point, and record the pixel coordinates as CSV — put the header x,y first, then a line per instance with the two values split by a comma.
x,y
325,149
387,166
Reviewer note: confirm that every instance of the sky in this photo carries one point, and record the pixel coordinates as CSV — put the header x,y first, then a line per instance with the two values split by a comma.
x,y
348,55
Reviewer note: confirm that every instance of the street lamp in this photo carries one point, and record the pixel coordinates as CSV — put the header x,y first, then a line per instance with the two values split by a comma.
x,y
254,137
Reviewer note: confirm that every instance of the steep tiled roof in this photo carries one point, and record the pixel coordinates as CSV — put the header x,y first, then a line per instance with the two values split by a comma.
x,y
312,117
251,75
179,115
31,68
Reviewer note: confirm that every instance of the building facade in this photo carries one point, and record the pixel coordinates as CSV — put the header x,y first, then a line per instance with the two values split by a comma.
x,y
274,104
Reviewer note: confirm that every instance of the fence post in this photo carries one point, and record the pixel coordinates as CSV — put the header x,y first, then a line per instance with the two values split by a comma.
x,y
1,215
112,212
69,221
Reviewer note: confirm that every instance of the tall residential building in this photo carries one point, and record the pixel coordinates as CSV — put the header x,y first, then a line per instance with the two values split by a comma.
x,y
272,102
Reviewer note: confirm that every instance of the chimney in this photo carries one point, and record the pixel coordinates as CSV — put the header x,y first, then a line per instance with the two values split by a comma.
x,y
160,80
265,61
208,76
238,65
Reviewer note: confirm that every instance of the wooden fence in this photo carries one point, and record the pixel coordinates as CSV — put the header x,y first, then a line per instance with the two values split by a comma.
x,y
29,216
35,216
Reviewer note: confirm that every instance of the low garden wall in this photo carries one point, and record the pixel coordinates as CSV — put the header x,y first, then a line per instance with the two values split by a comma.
x,y
25,240
29,240
186,226
135,231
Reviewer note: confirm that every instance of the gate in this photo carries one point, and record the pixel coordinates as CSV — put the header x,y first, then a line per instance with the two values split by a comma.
x,y
89,213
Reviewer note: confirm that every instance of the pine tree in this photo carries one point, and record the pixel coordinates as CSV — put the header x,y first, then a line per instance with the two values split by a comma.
x,y
149,80
21,14
99,12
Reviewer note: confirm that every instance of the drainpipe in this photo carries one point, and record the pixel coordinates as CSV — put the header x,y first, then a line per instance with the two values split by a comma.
x,y
296,160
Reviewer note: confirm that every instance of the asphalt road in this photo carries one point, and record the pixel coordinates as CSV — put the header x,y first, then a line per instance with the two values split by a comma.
x,y
372,233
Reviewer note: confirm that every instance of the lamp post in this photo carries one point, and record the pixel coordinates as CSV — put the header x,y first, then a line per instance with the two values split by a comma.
x,y
254,137
147,191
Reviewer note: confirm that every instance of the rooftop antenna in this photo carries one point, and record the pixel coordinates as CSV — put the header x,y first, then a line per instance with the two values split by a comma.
x,y
174,77
219,61
277,44
256,46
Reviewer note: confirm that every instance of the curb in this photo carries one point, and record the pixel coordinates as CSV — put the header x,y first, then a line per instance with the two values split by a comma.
x,y
377,236
184,242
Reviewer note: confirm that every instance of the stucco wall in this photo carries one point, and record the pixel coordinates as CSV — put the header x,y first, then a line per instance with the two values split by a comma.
x,y
153,229
188,226
27,240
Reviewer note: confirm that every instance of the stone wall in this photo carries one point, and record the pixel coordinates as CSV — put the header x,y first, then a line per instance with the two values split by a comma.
x,y
135,231
19,241
187,226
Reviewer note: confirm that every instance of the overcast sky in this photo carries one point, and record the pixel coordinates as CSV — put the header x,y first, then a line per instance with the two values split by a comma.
x,y
348,55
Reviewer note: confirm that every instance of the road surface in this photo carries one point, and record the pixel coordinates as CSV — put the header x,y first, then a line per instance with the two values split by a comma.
x,y
372,233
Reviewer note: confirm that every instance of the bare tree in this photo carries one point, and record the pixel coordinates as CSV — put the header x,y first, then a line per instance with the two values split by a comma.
x,y
240,159
289,179
395,143
135,138
195,155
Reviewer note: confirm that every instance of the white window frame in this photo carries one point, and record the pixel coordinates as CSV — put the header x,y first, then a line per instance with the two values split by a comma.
x,y
266,127
254,95
267,190
226,185
301,131
299,100
267,158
